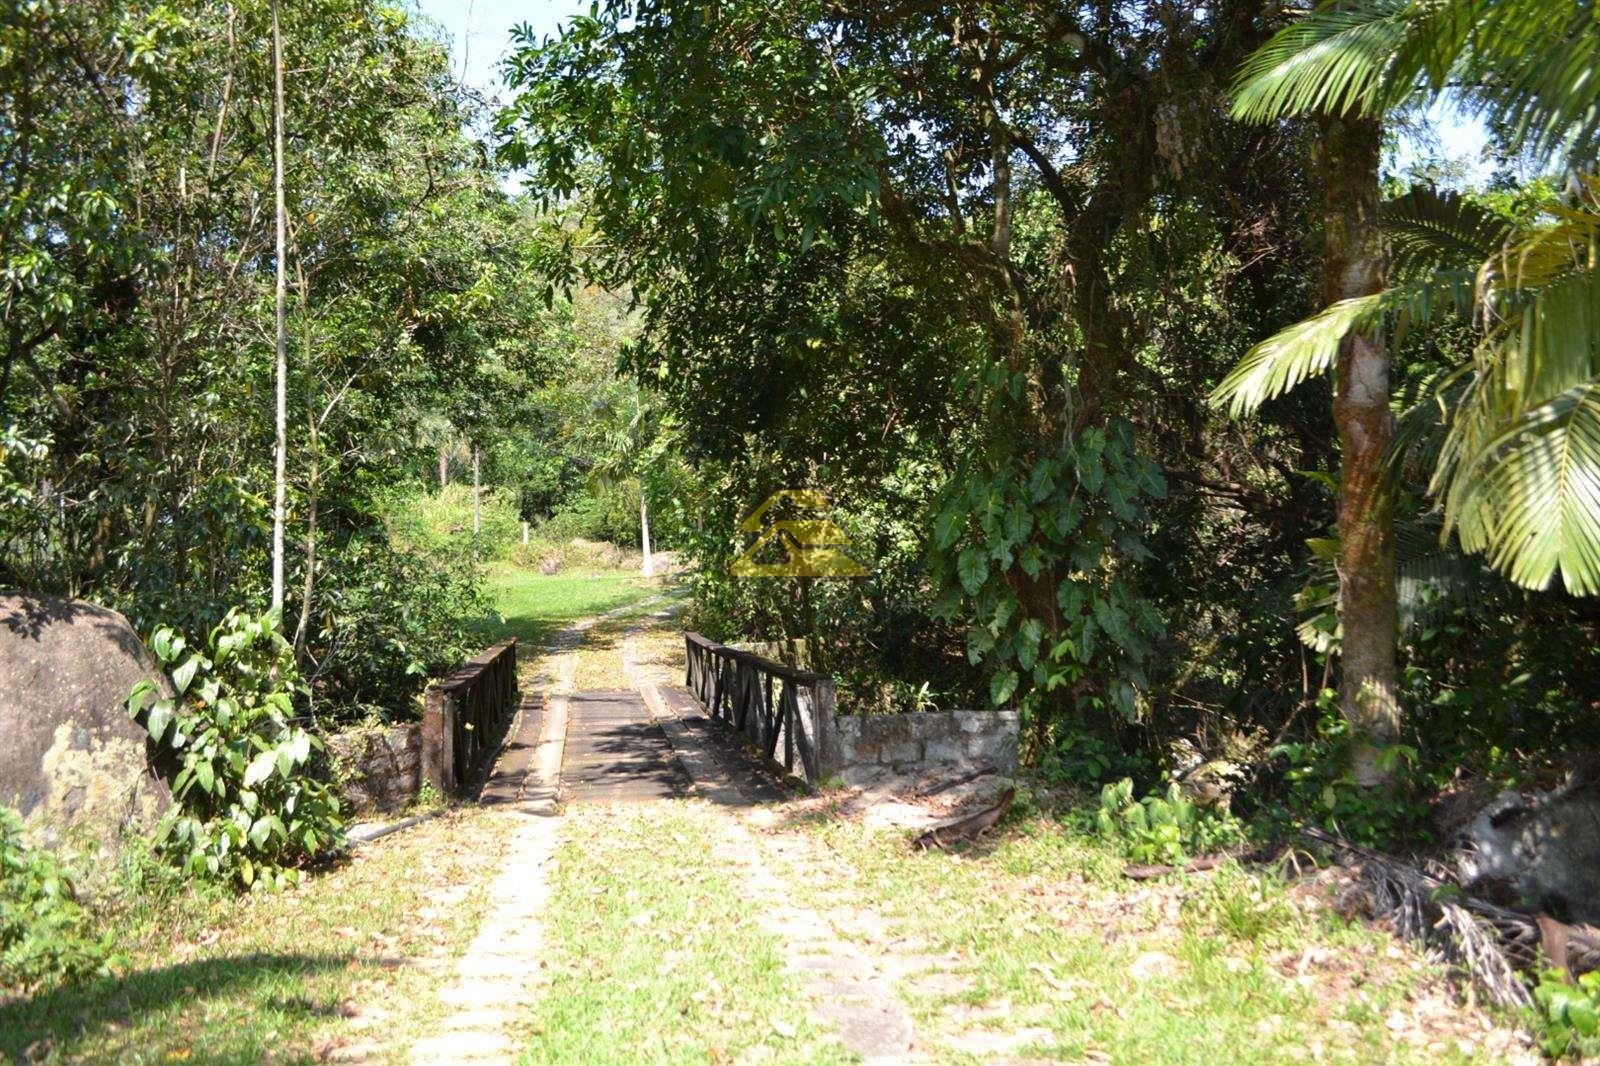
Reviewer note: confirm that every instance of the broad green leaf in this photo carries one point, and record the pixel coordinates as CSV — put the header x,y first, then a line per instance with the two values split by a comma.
x,y
973,567
1001,687
185,673
260,768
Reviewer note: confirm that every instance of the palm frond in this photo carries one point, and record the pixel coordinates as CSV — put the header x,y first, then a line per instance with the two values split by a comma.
x,y
1358,57
1430,230
1307,349
1532,70
1310,348
1531,503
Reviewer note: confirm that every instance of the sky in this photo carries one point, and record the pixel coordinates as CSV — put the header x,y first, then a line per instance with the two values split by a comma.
x,y
480,31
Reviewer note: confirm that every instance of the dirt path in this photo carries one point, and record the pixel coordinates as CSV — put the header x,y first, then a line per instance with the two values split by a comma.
x,y
501,972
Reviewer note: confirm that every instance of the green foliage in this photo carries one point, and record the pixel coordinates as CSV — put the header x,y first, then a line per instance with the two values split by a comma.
x,y
1322,788
249,808
45,934
440,523
1080,757
1038,560
1163,829
136,282
385,620
1566,1014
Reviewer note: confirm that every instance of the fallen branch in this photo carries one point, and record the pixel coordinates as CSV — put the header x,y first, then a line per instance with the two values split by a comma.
x,y
968,828
1141,872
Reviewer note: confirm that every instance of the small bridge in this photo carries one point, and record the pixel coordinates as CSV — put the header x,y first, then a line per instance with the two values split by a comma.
x,y
740,721
482,737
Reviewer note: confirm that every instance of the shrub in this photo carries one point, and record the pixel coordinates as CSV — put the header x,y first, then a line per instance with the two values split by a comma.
x,y
587,517
386,620
45,934
1161,829
248,809
1567,1015
1321,787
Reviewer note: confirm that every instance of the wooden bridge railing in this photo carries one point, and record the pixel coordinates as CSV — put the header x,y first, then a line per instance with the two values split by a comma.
x,y
463,714
775,706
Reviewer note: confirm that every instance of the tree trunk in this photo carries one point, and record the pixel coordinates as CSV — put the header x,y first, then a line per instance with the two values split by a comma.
x,y
644,535
444,466
306,592
1353,266
477,522
281,367
314,474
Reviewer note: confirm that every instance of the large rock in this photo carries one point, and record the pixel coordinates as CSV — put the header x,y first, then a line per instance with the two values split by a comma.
x,y
71,760
1539,850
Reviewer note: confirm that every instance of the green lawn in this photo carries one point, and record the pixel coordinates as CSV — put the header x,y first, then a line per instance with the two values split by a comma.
x,y
536,605
352,959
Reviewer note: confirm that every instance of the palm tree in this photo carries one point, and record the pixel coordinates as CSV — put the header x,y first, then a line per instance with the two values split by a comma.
x,y
628,444
1518,467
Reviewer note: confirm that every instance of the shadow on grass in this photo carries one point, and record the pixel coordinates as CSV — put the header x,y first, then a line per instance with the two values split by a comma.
x,y
175,1005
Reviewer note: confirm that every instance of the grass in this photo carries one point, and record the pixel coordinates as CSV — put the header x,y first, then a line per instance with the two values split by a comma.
x,y
354,956
655,956
535,606
1050,937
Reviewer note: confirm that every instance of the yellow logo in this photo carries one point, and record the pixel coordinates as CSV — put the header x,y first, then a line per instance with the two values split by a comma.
x,y
810,545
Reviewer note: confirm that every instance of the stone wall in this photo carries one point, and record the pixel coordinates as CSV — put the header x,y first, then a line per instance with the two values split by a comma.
x,y
378,768
863,746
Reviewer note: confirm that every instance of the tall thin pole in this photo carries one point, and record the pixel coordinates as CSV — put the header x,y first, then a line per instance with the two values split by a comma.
x,y
476,492
281,425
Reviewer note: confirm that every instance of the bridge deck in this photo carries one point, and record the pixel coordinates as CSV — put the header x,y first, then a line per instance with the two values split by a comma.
x,y
615,752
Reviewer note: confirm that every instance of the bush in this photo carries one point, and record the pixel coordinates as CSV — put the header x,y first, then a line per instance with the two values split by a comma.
x,y
249,810
45,934
441,523
587,517
1322,789
575,554
1161,829
386,620
1567,1015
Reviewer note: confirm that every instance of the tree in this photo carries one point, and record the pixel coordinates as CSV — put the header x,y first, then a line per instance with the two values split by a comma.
x,y
141,306
280,375
631,440
944,238
1519,472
